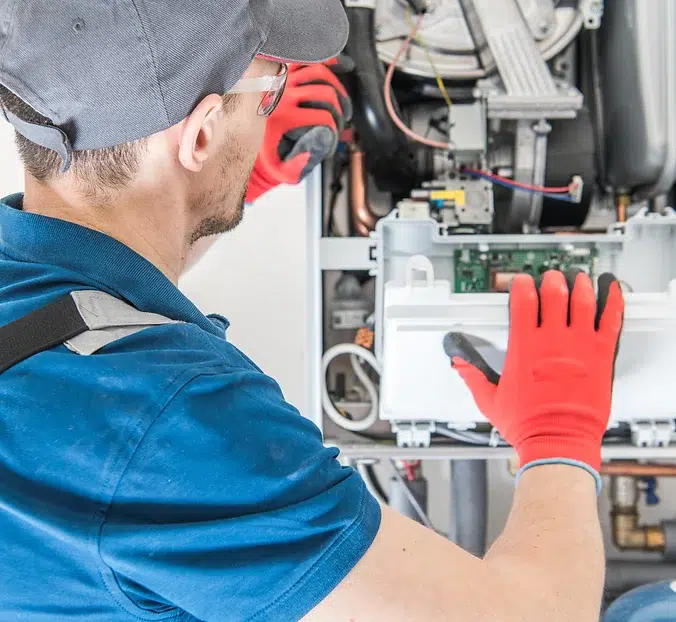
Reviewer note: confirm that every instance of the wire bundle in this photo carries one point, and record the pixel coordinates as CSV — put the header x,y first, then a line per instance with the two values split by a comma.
x,y
561,193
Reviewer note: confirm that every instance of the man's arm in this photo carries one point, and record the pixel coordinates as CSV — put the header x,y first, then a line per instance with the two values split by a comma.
x,y
552,404
547,564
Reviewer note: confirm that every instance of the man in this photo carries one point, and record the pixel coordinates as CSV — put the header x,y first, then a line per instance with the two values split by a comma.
x,y
164,476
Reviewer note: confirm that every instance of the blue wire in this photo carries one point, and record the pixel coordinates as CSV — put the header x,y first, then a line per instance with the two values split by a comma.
x,y
505,183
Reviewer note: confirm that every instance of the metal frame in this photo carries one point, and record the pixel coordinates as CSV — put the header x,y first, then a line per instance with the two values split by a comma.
x,y
381,451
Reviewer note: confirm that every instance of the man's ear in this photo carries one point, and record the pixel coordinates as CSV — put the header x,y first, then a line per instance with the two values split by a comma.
x,y
197,141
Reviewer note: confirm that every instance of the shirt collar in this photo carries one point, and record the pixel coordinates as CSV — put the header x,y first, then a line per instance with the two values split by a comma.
x,y
111,265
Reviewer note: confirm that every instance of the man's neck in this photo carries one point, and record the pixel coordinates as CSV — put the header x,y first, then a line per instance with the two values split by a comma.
x,y
151,224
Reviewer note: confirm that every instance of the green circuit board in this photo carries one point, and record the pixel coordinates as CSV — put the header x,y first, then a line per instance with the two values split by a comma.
x,y
493,270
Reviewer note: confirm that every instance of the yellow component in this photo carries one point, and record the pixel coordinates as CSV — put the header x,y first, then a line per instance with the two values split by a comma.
x,y
437,75
458,196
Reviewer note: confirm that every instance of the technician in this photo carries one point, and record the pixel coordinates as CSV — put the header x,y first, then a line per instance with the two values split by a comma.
x,y
158,474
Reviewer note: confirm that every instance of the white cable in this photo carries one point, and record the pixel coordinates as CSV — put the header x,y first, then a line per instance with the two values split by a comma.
x,y
357,353
364,378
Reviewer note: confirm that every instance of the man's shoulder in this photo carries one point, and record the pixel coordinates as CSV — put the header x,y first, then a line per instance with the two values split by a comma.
x,y
181,345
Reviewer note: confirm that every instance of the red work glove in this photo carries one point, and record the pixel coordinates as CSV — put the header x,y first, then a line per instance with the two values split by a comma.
x,y
303,130
552,402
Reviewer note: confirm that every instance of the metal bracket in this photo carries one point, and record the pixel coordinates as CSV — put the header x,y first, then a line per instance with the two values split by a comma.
x,y
413,434
540,16
592,12
652,433
527,89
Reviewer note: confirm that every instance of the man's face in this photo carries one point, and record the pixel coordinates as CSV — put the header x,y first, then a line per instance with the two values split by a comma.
x,y
220,188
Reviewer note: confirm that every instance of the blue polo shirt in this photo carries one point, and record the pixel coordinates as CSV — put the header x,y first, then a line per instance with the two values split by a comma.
x,y
165,476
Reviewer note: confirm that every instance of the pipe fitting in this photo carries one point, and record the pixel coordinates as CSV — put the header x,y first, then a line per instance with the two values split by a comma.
x,y
627,533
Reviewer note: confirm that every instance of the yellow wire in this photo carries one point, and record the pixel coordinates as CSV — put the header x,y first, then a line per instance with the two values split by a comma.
x,y
430,60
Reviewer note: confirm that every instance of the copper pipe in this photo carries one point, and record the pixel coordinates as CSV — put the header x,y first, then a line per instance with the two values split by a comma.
x,y
633,469
622,201
363,218
628,534
638,470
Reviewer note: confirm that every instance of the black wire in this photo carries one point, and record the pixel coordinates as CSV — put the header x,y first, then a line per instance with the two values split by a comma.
x,y
375,482
339,167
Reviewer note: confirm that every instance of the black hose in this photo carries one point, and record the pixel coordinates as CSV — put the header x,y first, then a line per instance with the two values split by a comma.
x,y
375,482
418,6
390,159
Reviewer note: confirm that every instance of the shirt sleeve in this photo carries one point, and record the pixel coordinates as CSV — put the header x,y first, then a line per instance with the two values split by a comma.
x,y
232,508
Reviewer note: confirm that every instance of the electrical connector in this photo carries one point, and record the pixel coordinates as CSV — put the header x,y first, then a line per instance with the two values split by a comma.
x,y
419,7
576,187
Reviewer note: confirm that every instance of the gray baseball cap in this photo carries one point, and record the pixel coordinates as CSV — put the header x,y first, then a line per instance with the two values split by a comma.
x,y
107,72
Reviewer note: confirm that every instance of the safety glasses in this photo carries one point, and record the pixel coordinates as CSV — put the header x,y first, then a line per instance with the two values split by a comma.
x,y
272,88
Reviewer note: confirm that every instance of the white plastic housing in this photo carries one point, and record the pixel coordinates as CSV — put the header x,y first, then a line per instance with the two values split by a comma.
x,y
418,383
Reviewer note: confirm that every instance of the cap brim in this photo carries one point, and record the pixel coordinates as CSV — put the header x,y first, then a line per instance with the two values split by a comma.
x,y
306,31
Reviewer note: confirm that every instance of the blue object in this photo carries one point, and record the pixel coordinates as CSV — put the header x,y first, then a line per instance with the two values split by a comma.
x,y
655,602
164,477
649,488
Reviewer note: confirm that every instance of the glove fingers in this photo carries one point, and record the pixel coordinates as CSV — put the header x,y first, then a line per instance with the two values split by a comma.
x,y
338,119
293,169
458,347
481,388
270,159
310,74
610,310
281,172
582,301
554,298
323,97
341,106
523,305
317,141
312,117
341,64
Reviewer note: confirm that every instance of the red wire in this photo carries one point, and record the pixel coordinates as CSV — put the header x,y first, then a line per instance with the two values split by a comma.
x,y
388,93
410,468
516,184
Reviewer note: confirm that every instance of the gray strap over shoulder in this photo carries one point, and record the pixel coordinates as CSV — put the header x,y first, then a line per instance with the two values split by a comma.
x,y
108,319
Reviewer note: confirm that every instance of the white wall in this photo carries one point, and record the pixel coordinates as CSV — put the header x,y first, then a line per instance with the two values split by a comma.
x,y
11,171
256,276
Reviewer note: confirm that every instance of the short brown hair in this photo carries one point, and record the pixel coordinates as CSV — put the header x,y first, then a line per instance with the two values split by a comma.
x,y
97,170
107,168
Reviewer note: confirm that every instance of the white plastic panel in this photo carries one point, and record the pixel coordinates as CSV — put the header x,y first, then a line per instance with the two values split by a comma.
x,y
418,383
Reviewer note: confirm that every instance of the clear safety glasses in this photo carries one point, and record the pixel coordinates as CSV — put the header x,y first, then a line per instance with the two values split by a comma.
x,y
272,88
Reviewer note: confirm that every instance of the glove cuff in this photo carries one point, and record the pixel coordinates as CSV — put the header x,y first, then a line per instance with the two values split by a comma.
x,y
582,449
576,463
581,452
